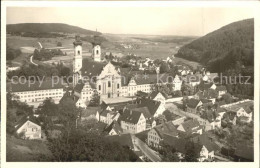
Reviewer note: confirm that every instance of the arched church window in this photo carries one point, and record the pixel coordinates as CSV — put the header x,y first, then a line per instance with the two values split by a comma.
x,y
109,84
96,51
78,52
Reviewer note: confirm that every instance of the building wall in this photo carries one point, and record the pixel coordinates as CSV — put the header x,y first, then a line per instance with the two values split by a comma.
x,y
39,95
96,53
134,128
30,130
153,139
159,111
159,97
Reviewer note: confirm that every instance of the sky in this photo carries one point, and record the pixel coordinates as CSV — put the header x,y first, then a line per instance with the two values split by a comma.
x,y
181,21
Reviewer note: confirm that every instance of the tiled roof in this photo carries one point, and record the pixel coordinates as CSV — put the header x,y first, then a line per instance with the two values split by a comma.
x,y
130,116
33,86
114,125
192,103
91,68
24,120
166,129
247,106
145,112
151,104
190,125
178,144
105,112
155,93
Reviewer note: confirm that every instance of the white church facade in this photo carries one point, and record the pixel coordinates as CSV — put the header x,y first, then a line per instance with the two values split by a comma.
x,y
93,75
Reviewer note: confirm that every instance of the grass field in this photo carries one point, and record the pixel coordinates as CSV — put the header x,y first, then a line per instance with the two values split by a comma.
x,y
18,150
153,47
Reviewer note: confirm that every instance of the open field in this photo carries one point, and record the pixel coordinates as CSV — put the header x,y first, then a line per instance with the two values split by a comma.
x,y
18,150
154,47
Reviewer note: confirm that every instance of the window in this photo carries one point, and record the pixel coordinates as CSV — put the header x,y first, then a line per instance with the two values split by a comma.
x,y
99,87
78,52
109,84
97,52
118,86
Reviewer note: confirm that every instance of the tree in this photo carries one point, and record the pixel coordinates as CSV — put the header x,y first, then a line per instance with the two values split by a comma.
x,y
164,67
191,152
160,119
95,99
168,153
227,98
88,146
47,110
169,116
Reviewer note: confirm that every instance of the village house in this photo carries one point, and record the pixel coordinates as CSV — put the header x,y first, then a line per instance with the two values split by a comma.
x,y
209,94
107,116
242,109
190,127
132,121
206,147
158,96
192,105
114,129
150,122
28,129
221,90
203,148
156,134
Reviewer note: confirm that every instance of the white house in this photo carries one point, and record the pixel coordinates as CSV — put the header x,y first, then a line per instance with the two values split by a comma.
x,y
158,96
132,121
243,109
28,129
190,127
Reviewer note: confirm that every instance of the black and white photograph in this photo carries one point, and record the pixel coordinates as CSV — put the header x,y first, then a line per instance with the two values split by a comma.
x,y
159,82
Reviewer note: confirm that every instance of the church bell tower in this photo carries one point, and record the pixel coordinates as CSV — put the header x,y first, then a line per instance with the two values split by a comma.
x,y
77,60
96,49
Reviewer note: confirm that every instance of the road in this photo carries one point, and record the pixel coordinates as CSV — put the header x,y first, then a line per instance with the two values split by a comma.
x,y
222,159
31,60
146,150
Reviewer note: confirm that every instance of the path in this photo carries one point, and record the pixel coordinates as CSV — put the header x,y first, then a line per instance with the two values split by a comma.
x,y
222,159
148,152
31,60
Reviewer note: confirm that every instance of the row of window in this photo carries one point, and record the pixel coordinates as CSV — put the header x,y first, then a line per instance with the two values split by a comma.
x,y
153,138
31,92
46,94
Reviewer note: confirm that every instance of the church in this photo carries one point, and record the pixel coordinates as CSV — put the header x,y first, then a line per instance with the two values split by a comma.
x,y
93,75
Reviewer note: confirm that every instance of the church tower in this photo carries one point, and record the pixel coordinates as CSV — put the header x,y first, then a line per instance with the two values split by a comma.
x,y
96,49
77,60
